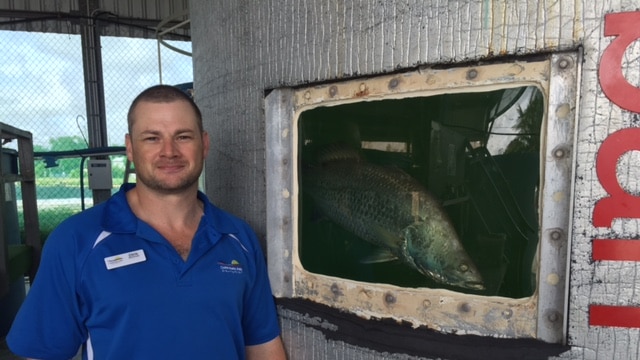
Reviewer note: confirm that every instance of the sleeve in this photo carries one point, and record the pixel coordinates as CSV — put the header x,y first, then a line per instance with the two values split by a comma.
x,y
48,324
260,318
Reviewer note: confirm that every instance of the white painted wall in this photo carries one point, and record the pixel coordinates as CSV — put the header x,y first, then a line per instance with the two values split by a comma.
x,y
244,48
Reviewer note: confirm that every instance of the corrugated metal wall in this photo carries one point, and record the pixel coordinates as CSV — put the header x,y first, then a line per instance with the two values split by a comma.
x,y
288,43
244,48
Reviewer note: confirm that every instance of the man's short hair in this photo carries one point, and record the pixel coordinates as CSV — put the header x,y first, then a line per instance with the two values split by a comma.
x,y
163,94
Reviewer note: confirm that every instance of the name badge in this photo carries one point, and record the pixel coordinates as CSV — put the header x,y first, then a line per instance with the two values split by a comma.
x,y
125,259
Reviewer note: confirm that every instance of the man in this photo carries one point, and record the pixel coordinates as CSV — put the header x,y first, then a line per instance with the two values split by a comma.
x,y
156,271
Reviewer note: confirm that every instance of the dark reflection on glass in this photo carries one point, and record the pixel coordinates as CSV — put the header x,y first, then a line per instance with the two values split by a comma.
x,y
477,156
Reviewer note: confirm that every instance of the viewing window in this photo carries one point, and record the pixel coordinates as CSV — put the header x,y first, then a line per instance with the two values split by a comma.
x,y
429,197
435,191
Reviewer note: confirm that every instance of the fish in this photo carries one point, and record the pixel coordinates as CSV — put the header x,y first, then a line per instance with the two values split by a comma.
x,y
387,207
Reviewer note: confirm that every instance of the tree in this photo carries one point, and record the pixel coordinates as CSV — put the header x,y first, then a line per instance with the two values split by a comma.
x,y
67,167
529,123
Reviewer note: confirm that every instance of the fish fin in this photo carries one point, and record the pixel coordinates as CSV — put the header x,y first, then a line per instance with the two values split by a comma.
x,y
379,256
389,239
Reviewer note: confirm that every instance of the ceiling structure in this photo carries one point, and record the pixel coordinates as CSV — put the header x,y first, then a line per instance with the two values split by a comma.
x,y
129,18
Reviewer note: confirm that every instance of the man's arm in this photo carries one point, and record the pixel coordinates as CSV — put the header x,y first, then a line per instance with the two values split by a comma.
x,y
271,350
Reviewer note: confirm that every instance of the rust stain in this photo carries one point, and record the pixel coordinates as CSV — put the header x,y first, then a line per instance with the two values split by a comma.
x,y
363,91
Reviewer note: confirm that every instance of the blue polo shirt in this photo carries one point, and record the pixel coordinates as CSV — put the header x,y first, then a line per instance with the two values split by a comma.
x,y
112,284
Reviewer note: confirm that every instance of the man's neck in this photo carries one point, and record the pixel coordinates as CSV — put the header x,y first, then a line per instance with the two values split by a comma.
x,y
170,209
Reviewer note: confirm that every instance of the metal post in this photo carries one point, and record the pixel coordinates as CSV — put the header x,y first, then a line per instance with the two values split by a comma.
x,y
94,84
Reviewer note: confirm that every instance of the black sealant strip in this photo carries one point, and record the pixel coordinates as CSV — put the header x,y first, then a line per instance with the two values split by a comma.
x,y
387,335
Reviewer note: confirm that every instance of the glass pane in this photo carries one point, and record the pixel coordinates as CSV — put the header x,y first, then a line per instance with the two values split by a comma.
x,y
437,191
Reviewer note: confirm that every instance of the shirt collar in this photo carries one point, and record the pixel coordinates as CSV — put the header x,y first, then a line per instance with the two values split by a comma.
x,y
118,217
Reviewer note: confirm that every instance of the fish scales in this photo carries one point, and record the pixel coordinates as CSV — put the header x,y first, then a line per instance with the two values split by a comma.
x,y
362,195
392,210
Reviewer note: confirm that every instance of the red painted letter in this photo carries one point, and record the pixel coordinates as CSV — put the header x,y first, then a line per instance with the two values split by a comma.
x,y
619,203
620,316
614,85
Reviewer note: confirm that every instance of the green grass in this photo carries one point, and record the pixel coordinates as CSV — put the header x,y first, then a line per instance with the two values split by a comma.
x,y
61,181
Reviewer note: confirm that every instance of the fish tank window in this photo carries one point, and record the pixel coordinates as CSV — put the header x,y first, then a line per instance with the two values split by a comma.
x,y
431,191
437,197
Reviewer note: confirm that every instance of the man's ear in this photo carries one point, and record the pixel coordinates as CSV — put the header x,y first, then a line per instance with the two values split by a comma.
x,y
127,144
205,143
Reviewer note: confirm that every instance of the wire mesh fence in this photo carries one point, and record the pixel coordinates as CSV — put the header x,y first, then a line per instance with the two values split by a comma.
x,y
42,91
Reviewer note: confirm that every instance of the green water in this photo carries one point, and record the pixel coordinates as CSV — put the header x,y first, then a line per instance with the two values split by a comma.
x,y
481,165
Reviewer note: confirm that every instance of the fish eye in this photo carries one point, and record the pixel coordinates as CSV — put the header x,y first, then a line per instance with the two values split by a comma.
x,y
463,267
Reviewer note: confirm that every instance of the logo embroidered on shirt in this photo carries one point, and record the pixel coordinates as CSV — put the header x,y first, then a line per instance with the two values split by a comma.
x,y
233,267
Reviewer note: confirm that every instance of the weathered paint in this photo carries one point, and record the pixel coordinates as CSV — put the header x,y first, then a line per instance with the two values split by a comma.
x,y
243,48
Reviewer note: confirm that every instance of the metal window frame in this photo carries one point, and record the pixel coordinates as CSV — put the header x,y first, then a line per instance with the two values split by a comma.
x,y
544,314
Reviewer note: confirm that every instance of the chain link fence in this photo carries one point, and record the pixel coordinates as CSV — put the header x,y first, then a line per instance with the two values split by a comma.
x,y
42,91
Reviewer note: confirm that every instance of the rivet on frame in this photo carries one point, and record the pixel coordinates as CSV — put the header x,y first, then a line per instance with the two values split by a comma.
x,y
555,234
362,90
464,307
394,83
335,289
553,317
472,74
389,299
333,90
507,313
285,193
564,63
560,152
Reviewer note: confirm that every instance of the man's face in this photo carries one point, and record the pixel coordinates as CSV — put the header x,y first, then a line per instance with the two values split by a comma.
x,y
166,146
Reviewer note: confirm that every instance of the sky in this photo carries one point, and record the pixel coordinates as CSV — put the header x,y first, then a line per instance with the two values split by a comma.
x,y
42,84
